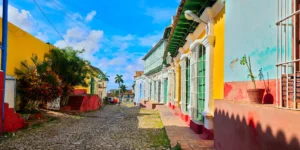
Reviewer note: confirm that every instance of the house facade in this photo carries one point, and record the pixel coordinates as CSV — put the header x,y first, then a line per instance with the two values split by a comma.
x,y
206,83
197,63
268,32
21,46
153,84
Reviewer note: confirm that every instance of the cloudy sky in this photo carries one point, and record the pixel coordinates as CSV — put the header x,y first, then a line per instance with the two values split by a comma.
x,y
116,34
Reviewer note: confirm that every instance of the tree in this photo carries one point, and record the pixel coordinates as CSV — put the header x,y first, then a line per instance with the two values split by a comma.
x,y
133,85
116,92
119,80
122,90
71,69
104,77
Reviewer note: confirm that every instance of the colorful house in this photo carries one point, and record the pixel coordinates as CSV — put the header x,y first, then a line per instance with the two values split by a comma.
x,y
197,49
153,84
268,32
21,46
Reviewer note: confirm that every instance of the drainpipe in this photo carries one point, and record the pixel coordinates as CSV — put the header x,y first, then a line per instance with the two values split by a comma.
x,y
4,53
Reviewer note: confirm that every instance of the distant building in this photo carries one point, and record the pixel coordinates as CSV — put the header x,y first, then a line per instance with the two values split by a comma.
x,y
112,90
138,74
128,96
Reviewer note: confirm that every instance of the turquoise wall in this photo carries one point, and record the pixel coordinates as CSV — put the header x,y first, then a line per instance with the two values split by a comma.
x,y
250,29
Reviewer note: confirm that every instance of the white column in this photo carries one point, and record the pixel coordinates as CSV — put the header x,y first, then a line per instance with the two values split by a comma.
x,y
183,96
209,100
191,86
161,88
170,87
194,81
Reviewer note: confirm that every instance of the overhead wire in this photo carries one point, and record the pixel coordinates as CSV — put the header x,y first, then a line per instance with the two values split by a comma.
x,y
78,24
49,21
87,11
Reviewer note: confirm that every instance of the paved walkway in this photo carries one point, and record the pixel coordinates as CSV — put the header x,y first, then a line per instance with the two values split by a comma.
x,y
113,128
179,131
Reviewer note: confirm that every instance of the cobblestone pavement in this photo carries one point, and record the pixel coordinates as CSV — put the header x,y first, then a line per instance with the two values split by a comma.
x,y
113,127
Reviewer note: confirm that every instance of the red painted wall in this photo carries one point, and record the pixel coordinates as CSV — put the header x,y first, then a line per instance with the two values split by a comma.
x,y
79,91
12,120
242,126
237,91
84,103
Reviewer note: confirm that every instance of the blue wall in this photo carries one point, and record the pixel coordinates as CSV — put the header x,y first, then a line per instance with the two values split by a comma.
x,y
250,29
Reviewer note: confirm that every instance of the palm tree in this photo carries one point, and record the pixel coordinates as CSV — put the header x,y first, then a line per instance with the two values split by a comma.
x,y
119,80
123,90
104,77
133,85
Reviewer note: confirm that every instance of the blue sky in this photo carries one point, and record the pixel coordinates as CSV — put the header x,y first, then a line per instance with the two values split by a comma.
x,y
116,34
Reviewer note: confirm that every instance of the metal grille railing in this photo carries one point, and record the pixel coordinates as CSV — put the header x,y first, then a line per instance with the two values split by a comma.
x,y
288,75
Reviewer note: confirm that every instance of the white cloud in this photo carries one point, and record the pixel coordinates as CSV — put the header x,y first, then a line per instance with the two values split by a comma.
x,y
77,16
128,37
42,36
90,15
80,39
149,40
21,18
123,42
160,15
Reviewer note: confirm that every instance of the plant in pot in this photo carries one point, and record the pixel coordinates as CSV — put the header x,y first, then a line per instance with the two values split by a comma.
x,y
255,95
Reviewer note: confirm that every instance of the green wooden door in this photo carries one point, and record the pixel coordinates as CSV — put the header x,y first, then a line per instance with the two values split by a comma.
x,y
165,91
92,86
188,85
159,90
201,83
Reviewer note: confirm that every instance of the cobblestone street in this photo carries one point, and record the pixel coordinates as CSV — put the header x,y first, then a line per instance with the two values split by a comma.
x,y
112,127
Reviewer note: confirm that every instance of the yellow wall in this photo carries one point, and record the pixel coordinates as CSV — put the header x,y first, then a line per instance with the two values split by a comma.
x,y
178,83
219,55
88,88
21,46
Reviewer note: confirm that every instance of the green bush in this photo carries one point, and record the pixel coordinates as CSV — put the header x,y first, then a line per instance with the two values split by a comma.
x,y
105,101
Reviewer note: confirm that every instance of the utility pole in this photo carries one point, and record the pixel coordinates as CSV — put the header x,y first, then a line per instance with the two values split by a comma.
x,y
4,53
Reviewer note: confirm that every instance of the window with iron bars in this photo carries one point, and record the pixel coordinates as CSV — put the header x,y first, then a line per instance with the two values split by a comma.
x,y
288,54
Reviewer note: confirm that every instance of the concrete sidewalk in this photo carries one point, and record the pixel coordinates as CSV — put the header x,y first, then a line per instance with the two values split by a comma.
x,y
179,131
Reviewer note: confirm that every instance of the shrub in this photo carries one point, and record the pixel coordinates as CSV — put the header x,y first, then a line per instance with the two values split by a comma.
x,y
105,101
36,84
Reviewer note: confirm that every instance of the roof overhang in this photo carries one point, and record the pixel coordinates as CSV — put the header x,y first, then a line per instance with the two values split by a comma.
x,y
182,27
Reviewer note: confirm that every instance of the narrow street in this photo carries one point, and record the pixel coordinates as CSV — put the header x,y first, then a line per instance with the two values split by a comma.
x,y
112,127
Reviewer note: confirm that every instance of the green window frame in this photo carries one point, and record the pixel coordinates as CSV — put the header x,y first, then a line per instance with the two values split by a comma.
x,y
201,82
165,91
159,90
92,86
188,84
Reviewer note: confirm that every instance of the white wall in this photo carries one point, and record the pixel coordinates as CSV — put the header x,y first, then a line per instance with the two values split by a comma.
x,y
10,91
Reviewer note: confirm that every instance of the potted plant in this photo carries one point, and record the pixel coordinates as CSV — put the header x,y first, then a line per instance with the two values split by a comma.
x,y
255,95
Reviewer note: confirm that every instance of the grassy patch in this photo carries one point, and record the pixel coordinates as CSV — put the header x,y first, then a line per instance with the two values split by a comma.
x,y
177,147
150,121
37,125
76,117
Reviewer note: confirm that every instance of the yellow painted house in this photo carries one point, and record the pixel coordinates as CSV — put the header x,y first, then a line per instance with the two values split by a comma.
x,y
196,44
21,46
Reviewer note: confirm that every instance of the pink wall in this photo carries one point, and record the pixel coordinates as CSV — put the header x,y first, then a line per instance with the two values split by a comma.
x,y
245,126
237,91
